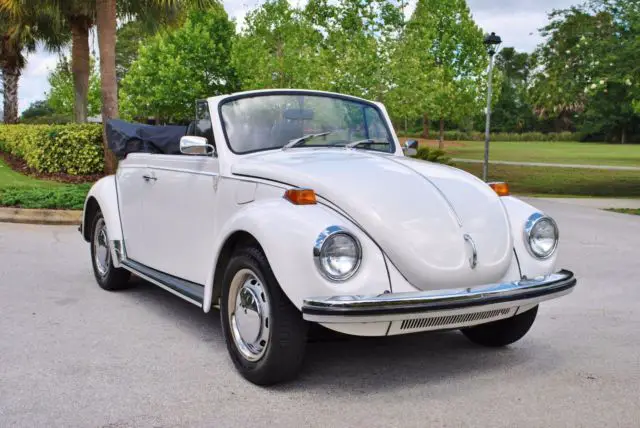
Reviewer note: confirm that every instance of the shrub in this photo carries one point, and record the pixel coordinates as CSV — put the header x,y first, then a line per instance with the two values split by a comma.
x,y
74,149
60,197
432,155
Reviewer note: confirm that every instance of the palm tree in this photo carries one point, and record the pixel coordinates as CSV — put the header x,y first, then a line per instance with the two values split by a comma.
x,y
154,12
20,30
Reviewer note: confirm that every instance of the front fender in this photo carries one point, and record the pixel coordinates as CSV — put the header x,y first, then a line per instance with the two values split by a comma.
x,y
103,195
518,212
287,233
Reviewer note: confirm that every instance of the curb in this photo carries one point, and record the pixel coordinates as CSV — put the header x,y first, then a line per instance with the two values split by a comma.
x,y
40,216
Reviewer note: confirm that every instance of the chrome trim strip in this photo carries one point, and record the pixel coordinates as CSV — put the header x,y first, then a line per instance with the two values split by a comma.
x,y
184,170
161,285
518,304
507,293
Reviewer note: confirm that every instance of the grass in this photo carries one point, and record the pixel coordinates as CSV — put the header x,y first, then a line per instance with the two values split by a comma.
x,y
17,190
635,211
562,181
548,152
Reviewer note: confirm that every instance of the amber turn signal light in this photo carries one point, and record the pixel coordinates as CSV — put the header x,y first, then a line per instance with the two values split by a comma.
x,y
500,187
300,196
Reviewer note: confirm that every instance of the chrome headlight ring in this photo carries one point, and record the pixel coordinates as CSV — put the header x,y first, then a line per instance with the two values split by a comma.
x,y
534,221
324,240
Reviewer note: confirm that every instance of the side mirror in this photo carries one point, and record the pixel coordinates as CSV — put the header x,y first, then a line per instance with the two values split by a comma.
x,y
410,148
192,145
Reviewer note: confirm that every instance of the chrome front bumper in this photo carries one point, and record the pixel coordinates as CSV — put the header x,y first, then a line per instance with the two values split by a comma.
x,y
398,306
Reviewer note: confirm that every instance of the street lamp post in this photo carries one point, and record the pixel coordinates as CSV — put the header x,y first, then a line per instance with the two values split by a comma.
x,y
491,41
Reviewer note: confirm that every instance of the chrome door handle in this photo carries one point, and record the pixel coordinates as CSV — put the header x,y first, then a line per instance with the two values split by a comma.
x,y
148,177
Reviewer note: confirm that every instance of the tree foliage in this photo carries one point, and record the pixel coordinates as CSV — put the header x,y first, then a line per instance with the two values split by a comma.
x,y
177,67
588,71
61,96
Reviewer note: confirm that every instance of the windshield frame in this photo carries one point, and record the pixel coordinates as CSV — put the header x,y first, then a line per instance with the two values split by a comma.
x,y
293,92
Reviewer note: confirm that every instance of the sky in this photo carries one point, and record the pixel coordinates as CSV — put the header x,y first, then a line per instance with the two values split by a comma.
x,y
516,21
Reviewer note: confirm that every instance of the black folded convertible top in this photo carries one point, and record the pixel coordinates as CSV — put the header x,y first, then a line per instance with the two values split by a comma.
x,y
124,138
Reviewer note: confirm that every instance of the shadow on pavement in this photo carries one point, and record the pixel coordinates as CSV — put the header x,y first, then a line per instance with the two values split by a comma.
x,y
347,365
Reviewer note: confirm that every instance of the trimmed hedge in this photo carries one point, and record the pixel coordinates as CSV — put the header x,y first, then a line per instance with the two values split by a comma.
x,y
501,136
74,149
70,197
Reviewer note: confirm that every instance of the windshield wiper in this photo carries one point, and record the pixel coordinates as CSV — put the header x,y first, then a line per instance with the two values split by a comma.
x,y
299,141
368,141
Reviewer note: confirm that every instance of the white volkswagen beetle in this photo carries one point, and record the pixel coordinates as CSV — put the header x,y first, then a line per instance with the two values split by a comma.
x,y
290,207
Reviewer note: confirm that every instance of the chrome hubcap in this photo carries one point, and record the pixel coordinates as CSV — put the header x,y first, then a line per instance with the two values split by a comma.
x,y
101,254
249,313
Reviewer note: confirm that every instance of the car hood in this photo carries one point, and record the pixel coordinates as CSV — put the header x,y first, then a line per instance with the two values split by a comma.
x,y
429,219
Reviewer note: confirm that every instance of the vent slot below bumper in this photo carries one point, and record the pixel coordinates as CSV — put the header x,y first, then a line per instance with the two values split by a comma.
x,y
450,321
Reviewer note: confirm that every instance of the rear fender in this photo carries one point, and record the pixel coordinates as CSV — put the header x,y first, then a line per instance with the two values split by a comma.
x,y
104,196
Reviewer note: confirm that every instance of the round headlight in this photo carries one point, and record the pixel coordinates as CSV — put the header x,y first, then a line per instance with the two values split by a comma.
x,y
337,254
541,235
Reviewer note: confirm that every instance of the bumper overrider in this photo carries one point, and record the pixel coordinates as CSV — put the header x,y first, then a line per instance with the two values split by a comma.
x,y
398,306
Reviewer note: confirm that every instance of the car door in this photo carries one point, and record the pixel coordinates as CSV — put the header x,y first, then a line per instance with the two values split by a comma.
x,y
180,208
133,183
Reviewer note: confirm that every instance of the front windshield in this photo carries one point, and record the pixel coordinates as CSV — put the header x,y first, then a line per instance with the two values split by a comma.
x,y
263,122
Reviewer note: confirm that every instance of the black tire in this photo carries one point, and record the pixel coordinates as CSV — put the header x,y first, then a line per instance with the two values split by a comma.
x,y
107,276
503,332
281,356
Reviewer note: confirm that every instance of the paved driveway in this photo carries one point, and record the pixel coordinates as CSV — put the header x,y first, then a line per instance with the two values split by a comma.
x,y
73,355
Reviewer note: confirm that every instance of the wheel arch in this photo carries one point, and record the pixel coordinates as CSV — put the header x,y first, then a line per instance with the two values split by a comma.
x,y
237,239
103,197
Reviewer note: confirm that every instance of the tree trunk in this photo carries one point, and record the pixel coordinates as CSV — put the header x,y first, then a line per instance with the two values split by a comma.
x,y
80,66
425,126
10,75
623,135
106,21
441,140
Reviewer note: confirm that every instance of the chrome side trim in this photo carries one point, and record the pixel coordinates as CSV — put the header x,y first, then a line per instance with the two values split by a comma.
x,y
374,308
183,170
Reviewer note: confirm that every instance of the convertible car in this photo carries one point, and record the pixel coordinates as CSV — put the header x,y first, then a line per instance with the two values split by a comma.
x,y
284,208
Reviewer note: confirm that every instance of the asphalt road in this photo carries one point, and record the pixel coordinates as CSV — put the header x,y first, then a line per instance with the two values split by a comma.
x,y
74,355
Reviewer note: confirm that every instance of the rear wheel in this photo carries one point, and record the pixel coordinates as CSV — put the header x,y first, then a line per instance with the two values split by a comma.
x,y
265,333
107,276
503,332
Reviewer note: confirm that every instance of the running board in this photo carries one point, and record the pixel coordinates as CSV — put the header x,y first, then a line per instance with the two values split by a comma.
x,y
189,291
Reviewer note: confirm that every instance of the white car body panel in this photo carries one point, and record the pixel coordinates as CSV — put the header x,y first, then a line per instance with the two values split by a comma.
x,y
411,218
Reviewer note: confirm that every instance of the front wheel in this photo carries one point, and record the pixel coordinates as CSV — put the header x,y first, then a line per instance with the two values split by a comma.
x,y
502,332
265,333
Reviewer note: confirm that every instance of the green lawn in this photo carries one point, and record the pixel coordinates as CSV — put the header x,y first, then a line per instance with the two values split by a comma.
x,y
17,190
548,152
10,178
635,211
562,181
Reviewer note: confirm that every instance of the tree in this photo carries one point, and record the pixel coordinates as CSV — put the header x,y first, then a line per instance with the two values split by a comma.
x,y
450,60
37,109
356,43
278,48
128,39
61,96
587,68
513,112
176,68
20,29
